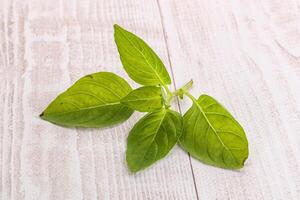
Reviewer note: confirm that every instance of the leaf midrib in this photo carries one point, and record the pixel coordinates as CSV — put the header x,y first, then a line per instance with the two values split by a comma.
x,y
155,135
207,120
144,57
214,131
82,109
143,99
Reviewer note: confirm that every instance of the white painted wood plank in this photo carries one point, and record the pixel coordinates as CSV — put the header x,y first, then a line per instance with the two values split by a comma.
x,y
44,47
246,54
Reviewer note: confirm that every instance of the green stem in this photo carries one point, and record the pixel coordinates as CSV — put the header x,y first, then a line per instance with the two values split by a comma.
x,y
190,96
168,97
167,89
186,87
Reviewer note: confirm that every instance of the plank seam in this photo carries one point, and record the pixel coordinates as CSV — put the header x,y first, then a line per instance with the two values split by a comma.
x,y
174,84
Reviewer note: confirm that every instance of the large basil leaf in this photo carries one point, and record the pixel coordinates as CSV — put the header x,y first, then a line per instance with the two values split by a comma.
x,y
144,99
211,134
152,138
139,60
93,101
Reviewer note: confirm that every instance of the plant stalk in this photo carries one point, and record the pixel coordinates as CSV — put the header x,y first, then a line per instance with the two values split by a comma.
x,y
183,89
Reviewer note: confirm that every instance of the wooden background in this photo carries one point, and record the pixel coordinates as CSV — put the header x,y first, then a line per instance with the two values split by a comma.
x,y
246,53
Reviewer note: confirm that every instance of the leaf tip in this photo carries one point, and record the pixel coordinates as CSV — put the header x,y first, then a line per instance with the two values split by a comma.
x,y
131,167
41,115
116,27
244,160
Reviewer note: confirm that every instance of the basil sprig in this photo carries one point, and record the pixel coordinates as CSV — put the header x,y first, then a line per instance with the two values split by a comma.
x,y
207,130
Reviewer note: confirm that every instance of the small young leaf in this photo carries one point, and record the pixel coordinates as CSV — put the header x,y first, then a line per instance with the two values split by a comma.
x,y
93,101
152,137
144,99
212,135
139,60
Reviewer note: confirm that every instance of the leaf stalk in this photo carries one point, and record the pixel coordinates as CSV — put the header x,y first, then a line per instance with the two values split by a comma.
x,y
183,89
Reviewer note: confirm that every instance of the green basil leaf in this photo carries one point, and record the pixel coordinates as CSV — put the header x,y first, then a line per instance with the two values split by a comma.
x,y
152,138
139,60
144,99
93,101
212,135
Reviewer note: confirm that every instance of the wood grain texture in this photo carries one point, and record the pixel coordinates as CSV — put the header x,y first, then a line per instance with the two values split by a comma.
x,y
45,47
244,53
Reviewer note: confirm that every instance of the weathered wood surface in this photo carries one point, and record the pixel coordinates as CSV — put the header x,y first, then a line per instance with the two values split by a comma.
x,y
244,53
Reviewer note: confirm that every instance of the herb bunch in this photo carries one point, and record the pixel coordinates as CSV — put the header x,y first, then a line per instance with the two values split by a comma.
x,y
207,130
